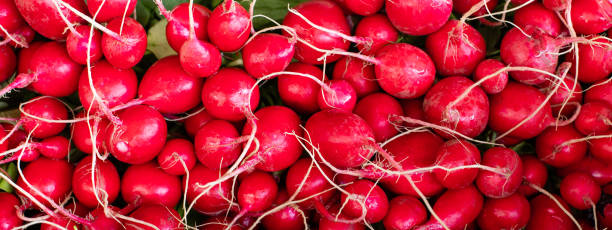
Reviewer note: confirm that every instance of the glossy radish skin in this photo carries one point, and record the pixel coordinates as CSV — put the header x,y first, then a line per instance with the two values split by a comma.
x,y
551,149
413,108
56,147
8,62
487,67
494,185
594,118
416,21
109,9
535,52
200,58
106,180
177,30
331,224
267,53
163,217
456,216
405,212
456,48
468,116
195,122
52,66
376,109
591,16
534,172
364,8
599,55
47,108
257,191
314,182
580,190
463,6
216,145
601,91
50,177
225,95
343,97
289,217
26,55
407,77
457,153
358,73
168,88
81,137
148,184
298,92
545,214
342,137
214,201
534,18
229,26
140,137
72,207
113,85
601,171
175,151
602,148
77,45
44,17
128,51
323,13
8,211
277,149
10,18
562,94
99,220
556,5
23,34
506,213
220,223
373,197
379,30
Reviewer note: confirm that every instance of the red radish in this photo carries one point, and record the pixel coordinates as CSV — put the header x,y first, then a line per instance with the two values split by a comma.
x,y
600,91
456,48
199,58
314,182
219,223
226,94
128,51
379,29
364,8
56,147
77,45
140,137
358,73
24,35
376,110
8,143
322,13
8,211
290,217
216,144
8,62
591,16
444,106
267,53
404,71
50,177
343,97
106,182
494,185
607,215
81,134
331,224
229,26
166,74
374,199
463,6
534,172
562,93
457,153
177,30
546,214
600,171
105,10
414,150
256,192
590,55
556,5
194,123
298,92
46,108
175,151
405,212
580,190
513,105
535,18
553,148
413,108
44,16
160,216
494,84
594,118
506,213
601,148
100,221
216,200
277,149
453,215
427,18
26,55
114,86
74,208
10,18
148,184
537,51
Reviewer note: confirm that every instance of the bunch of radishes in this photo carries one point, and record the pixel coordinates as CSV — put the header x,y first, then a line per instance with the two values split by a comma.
x,y
424,123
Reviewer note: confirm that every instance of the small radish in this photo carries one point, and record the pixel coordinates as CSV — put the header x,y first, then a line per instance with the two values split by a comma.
x,y
44,16
46,108
537,51
114,86
332,224
77,45
194,123
256,192
105,10
100,221
10,18
556,5
379,29
590,55
601,148
267,53
534,172
427,18
405,212
199,58
562,94
594,118
175,151
376,110
216,200
358,73
546,214
51,177
26,55
72,207
177,30
463,6
453,215
580,190
535,18
56,147
160,216
553,146
343,97
219,223
225,95
128,51
599,170
81,137
8,62
290,217
24,35
148,184
407,77
216,144
506,213
8,211
413,108
314,182
456,48
374,199
494,185
591,16
106,180
600,91
494,84
364,8
457,153
229,26
298,92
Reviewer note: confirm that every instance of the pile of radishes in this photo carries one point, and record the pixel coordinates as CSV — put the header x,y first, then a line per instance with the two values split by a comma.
x,y
345,114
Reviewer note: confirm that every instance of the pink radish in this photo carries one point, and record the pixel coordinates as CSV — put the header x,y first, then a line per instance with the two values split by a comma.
x,y
553,146
50,177
314,182
600,171
556,5
128,51
457,153
590,55
160,216
44,16
358,73
216,144
562,94
175,153
379,29
456,216
331,223
289,217
81,137
594,118
8,62
194,123
591,16
413,108
148,184
229,26
405,212
106,182
10,18
373,197
24,35
601,148
407,77
600,91
534,172
100,221
256,192
267,53
537,51
506,213
219,223
425,19
8,211
343,97
546,214
109,9
580,190
214,201
376,109
298,92
46,108
494,84
494,185
225,95
199,58
74,208
177,30
535,18
56,147
456,48
114,86
463,6
26,55
364,8
77,45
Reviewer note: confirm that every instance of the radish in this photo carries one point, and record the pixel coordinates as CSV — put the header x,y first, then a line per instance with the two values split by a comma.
x,y
407,77
429,17
376,110
511,212
413,108
456,48
160,216
303,172
225,95
105,10
277,149
74,208
449,104
78,43
322,13
594,118
139,138
194,123
332,224
229,26
601,148
50,177
56,147
298,92
494,84
364,8
216,144
537,51
177,30
463,6
106,182
26,55
290,217
23,36
175,153
128,51
457,153
212,202
607,213
100,221
374,199
556,5
599,170
580,190
546,214
591,16
534,172
535,18
148,184
256,192
343,97
8,62
556,146
114,86
8,211
47,108
456,216
267,53
81,137
599,55
562,94
494,185
10,18
378,29
166,74
342,137
600,91
358,73
199,58
219,223
44,16
405,212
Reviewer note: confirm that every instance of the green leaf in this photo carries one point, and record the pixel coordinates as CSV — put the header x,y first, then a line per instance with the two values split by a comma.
x,y
275,9
11,169
156,40
143,14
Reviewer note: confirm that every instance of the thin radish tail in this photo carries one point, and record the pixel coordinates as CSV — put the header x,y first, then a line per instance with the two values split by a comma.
x,y
489,23
557,122
21,81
